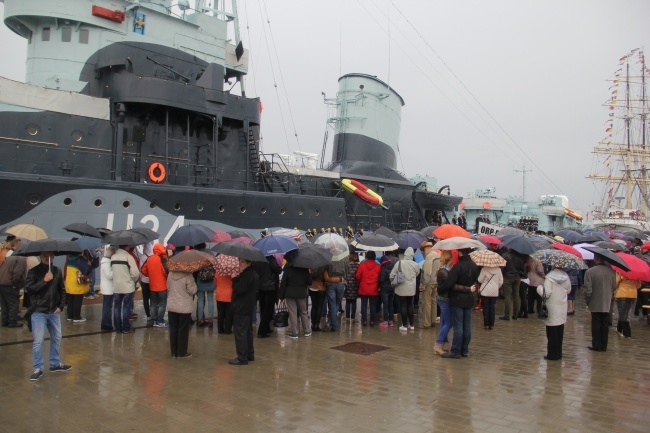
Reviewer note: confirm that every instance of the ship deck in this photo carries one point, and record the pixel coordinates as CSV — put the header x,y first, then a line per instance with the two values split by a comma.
x,y
129,383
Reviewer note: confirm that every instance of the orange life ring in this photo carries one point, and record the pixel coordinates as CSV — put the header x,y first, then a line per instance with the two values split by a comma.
x,y
462,205
158,168
487,205
362,191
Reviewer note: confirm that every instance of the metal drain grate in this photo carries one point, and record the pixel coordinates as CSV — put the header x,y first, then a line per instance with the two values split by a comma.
x,y
360,348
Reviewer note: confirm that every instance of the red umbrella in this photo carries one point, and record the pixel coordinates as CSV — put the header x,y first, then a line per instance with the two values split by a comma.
x,y
220,236
449,231
491,239
567,248
639,269
646,246
243,240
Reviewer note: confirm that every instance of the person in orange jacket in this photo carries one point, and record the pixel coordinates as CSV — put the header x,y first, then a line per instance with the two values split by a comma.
x,y
156,269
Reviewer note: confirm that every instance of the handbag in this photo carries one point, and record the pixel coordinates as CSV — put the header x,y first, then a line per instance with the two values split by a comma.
x,y
399,277
82,279
281,316
542,312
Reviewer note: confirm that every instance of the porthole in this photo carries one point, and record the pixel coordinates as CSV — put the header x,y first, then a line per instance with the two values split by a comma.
x,y
263,210
98,203
67,201
221,208
177,206
33,129
199,207
33,200
242,209
153,205
126,204
340,213
317,212
300,212
77,135
283,211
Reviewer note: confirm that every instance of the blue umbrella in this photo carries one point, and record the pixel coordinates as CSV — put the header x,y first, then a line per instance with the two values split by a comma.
x,y
410,238
569,235
275,244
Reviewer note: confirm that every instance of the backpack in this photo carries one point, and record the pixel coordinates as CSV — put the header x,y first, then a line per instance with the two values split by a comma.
x,y
206,273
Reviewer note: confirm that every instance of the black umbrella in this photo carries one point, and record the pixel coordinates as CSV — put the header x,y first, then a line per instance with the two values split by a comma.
x,y
570,235
147,233
375,242
610,245
521,244
125,237
59,247
386,232
410,238
238,249
193,234
608,256
312,256
83,229
241,234
428,231
589,239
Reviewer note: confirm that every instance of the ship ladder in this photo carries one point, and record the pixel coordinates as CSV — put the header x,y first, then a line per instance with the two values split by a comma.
x,y
409,218
253,152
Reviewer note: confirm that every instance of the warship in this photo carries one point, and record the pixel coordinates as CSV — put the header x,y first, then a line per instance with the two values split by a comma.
x,y
623,154
135,113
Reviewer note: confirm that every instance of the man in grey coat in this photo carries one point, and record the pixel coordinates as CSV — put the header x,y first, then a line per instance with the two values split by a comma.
x,y
600,282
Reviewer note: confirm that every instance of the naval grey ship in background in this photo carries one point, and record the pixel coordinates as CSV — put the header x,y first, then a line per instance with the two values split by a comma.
x,y
135,114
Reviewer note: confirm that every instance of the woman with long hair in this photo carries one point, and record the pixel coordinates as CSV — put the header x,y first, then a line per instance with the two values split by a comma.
x,y
447,260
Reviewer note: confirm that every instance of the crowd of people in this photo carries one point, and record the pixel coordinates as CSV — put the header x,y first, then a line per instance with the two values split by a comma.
x,y
446,285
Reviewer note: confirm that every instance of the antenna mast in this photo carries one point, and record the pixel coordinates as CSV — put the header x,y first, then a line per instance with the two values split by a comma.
x,y
524,171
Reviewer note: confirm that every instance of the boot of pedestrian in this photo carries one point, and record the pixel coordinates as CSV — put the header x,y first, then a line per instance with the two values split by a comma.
x,y
438,350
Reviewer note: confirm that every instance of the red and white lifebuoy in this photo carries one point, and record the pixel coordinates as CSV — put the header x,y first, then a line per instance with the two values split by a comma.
x,y
487,205
362,191
462,205
573,214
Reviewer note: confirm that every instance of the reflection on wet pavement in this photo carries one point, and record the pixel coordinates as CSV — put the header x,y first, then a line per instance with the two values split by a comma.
x,y
129,383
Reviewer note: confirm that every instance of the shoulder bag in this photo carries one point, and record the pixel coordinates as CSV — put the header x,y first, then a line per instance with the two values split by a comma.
x,y
399,277
542,313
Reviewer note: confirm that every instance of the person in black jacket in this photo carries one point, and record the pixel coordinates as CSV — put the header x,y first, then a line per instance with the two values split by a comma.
x,y
461,285
244,295
294,287
269,273
45,286
387,291
513,272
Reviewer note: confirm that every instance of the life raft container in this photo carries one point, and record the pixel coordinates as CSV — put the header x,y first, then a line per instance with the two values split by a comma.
x,y
576,216
362,191
157,172
487,205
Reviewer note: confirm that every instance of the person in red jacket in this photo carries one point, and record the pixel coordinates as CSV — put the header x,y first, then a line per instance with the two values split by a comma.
x,y
368,278
156,269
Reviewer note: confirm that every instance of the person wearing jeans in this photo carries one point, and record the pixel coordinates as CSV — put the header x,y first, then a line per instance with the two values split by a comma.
x,y
156,271
106,288
335,293
44,284
447,260
125,274
122,312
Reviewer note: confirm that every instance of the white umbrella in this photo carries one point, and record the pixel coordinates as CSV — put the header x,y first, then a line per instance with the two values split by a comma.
x,y
586,254
458,243
336,244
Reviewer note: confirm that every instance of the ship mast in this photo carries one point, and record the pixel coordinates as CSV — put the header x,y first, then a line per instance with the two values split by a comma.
x,y
644,114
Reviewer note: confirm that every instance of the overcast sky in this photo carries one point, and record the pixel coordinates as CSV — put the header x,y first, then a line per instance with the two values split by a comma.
x,y
538,69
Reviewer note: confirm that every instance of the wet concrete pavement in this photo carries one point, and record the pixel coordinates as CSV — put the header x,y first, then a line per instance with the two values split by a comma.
x,y
129,383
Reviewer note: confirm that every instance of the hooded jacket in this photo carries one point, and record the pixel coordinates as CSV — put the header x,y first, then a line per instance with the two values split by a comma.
x,y
368,278
125,272
181,289
147,251
410,269
557,286
387,265
155,268
106,280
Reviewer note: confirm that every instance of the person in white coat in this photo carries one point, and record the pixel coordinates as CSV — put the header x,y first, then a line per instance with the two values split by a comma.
x,y
405,291
555,290
491,279
106,289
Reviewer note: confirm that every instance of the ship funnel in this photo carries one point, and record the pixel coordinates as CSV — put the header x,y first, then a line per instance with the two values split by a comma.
x,y
367,124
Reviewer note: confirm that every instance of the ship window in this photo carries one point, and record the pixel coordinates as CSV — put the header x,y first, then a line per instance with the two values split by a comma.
x,y
283,211
66,34
67,201
263,210
317,212
300,212
46,34
199,207
340,213
242,209
153,205
221,208
98,203
177,206
84,36
33,200
126,204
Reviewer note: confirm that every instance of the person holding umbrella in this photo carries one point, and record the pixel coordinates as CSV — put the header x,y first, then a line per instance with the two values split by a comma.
x,y
600,282
244,295
557,286
269,273
45,286
293,288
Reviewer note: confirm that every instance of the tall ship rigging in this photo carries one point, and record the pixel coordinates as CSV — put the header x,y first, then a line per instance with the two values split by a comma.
x,y
621,157
136,114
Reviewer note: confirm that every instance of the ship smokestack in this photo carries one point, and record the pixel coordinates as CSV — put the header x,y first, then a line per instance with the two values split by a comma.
x,y
367,126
